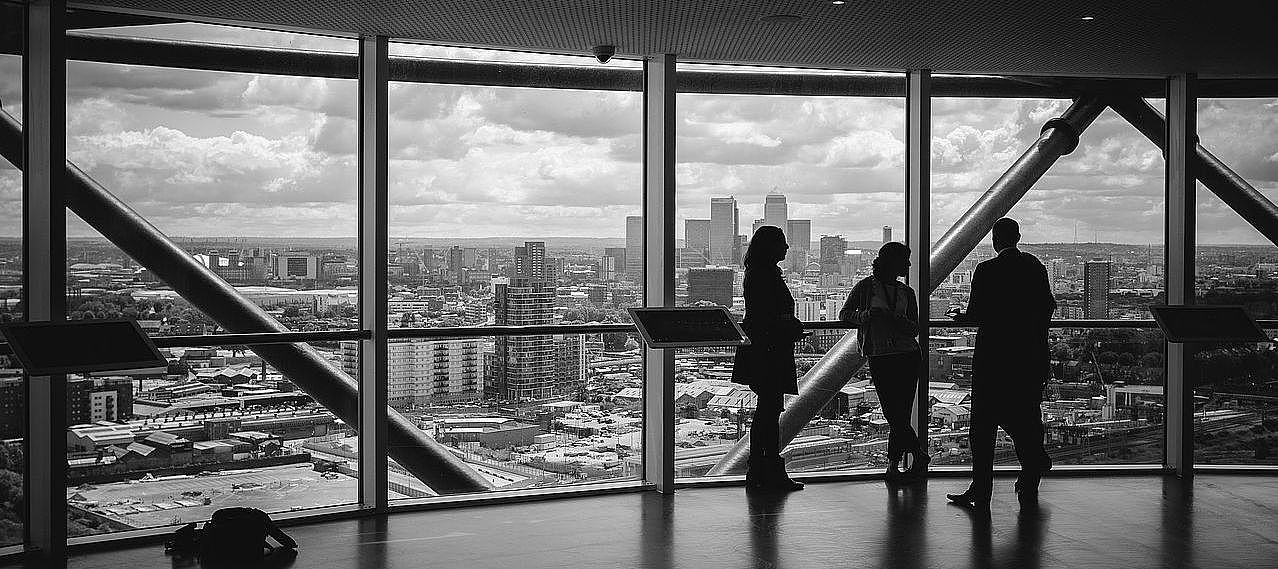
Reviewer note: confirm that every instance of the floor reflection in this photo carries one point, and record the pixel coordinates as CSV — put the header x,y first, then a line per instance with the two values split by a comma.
x,y
765,510
905,529
1023,549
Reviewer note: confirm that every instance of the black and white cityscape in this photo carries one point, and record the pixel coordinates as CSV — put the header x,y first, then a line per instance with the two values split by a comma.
x,y
521,206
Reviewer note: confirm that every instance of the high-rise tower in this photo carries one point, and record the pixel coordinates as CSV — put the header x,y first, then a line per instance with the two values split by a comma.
x,y
1096,281
724,228
775,212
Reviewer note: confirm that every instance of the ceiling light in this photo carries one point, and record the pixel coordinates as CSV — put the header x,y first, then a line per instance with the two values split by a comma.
x,y
838,2
1088,18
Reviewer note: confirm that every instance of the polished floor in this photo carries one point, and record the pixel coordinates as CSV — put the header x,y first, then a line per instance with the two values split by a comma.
x,y
1117,521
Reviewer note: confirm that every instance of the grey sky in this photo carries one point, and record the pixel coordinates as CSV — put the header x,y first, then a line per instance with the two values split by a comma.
x,y
207,153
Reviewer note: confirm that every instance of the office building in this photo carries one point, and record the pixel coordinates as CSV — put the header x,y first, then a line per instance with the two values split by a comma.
x,y
724,229
775,213
634,247
525,365
1096,285
798,233
799,236
887,233
833,248
297,267
696,237
711,284
426,372
459,263
530,263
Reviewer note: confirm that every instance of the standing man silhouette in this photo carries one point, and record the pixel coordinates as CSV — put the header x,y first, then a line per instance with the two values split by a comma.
x,y
1012,305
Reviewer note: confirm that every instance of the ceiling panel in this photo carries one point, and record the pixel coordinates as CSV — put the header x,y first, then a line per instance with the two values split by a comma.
x,y
1128,37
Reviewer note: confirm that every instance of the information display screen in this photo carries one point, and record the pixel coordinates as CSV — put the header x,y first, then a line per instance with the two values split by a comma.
x,y
82,346
1208,324
686,327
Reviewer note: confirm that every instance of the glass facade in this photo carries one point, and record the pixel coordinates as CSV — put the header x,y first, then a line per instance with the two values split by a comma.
x,y
12,386
829,171
590,431
521,205
1094,219
1236,410
221,427
252,175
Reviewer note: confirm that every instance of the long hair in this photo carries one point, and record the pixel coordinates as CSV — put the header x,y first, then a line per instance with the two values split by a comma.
x,y
889,252
766,248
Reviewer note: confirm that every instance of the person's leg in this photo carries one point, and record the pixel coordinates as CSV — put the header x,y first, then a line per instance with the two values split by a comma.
x,y
905,371
1025,426
765,436
882,376
980,441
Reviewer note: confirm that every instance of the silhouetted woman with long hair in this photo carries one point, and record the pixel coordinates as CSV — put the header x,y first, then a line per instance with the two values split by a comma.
x,y
886,314
767,364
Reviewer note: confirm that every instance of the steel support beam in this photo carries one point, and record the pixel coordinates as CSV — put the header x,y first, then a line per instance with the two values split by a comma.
x,y
1182,113
134,235
1059,137
832,372
659,264
816,388
918,223
373,288
43,148
1253,206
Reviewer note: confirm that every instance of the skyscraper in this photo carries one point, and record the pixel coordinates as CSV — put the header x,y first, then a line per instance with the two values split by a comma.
x,y
696,236
754,227
1096,280
775,212
634,246
798,233
530,261
613,263
887,233
833,248
711,284
524,366
724,228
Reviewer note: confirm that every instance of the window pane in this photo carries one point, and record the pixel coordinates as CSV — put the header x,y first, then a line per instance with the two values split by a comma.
x,y
1095,219
494,185
220,427
510,206
591,432
12,385
1234,418
252,175
829,172
1103,405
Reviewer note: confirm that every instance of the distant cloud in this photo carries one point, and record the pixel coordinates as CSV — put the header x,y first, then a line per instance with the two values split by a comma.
x,y
209,153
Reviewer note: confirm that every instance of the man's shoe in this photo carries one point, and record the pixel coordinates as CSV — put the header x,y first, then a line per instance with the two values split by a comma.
x,y
969,499
774,486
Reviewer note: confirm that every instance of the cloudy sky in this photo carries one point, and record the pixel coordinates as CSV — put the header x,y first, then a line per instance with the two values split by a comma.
x,y
222,154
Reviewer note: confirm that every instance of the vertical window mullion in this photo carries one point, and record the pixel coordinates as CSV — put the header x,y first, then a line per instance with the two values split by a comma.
x,y
918,222
373,251
659,263
1182,127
